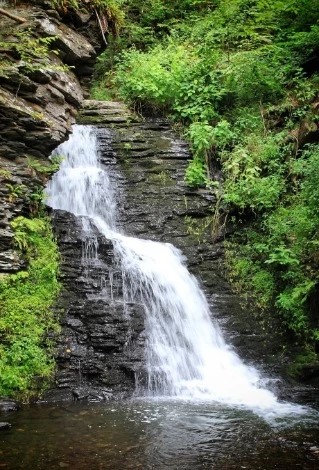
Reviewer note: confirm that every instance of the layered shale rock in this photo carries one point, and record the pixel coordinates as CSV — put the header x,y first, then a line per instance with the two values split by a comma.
x,y
101,344
41,64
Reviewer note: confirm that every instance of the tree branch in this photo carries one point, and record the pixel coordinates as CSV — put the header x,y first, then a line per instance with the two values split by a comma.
x,y
101,27
13,17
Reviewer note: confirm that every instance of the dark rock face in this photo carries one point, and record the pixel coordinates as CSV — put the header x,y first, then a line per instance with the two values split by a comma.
x,y
8,406
147,162
38,103
101,346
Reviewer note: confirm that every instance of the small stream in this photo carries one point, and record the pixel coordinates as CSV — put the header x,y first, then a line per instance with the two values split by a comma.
x,y
156,434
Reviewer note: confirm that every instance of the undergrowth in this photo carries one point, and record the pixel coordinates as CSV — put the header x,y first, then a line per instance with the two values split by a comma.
x,y
27,319
241,77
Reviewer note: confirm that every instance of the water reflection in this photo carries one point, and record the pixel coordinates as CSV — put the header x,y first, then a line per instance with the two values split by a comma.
x,y
154,435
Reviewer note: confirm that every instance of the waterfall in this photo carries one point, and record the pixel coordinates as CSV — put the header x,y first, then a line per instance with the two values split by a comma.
x,y
186,355
81,186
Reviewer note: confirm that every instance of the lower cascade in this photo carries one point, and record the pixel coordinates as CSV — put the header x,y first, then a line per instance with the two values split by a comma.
x,y
186,355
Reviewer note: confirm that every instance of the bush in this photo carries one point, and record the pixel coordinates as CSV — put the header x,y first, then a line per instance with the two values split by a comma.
x,y
152,79
195,175
250,77
254,192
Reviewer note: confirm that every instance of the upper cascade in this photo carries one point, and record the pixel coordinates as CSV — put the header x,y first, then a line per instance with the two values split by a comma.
x,y
81,186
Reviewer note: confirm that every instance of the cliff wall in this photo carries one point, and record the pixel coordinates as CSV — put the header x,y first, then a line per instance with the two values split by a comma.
x,y
42,63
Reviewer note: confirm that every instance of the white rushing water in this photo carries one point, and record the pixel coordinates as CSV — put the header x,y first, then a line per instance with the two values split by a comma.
x,y
186,355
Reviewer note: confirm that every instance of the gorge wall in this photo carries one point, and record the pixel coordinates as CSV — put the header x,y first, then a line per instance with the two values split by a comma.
x,y
40,93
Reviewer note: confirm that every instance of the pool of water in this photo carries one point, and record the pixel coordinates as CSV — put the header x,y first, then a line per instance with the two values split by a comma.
x,y
157,434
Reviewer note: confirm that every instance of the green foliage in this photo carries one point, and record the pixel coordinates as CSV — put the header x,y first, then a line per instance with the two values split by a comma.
x,y
254,168
200,90
202,138
250,77
44,169
198,228
195,175
5,174
249,277
16,191
304,358
101,92
253,191
285,246
33,52
35,197
282,256
35,200
152,79
160,16
26,316
30,48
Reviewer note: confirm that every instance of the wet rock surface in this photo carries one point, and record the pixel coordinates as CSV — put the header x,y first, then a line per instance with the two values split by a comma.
x,y
101,343
101,346
8,406
4,426
147,163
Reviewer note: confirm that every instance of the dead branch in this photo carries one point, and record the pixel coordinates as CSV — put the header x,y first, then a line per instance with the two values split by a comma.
x,y
101,27
18,19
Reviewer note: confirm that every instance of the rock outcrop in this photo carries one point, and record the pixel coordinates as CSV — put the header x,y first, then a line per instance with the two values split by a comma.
x,y
40,92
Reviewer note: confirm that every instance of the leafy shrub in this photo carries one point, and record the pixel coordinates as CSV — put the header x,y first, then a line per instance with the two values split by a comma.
x,y
199,91
253,191
195,175
250,76
291,304
152,79
202,138
250,276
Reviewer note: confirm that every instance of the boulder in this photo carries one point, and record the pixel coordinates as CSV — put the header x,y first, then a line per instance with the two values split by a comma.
x,y
5,426
7,406
73,47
